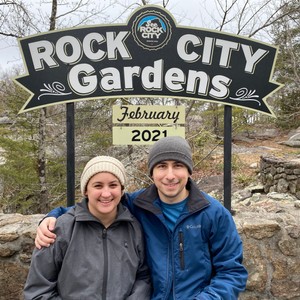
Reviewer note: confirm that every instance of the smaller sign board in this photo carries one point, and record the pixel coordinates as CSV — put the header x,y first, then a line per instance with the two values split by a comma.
x,y
127,135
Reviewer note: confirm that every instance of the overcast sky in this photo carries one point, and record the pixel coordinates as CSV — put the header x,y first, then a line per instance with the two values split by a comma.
x,y
194,13
187,12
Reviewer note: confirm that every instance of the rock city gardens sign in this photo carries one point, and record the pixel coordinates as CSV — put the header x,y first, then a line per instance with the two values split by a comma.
x,y
149,56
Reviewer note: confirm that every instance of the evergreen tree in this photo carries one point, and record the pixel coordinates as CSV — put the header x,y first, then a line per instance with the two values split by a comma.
x,y
287,37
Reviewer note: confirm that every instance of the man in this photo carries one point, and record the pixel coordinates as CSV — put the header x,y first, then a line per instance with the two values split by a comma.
x,y
193,248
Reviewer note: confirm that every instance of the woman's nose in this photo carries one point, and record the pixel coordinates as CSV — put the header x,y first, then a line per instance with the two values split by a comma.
x,y
105,192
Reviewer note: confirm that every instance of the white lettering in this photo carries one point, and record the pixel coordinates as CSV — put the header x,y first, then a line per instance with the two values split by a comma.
x,y
182,47
81,79
117,42
42,51
152,76
68,49
208,49
129,72
252,59
111,80
220,88
193,78
88,46
174,78
226,51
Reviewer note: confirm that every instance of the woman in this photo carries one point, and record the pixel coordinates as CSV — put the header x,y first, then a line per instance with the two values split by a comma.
x,y
99,252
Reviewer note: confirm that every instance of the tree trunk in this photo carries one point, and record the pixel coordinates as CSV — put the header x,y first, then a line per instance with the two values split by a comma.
x,y
43,206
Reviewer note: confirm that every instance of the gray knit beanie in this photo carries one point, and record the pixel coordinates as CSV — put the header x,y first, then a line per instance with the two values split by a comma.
x,y
100,164
171,148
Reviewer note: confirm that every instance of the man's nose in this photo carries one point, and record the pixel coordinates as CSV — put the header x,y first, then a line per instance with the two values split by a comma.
x,y
170,173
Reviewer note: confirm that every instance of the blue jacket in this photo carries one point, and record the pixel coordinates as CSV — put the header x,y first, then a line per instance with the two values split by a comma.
x,y
201,258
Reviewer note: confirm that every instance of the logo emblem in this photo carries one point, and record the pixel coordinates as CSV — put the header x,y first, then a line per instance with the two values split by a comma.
x,y
151,30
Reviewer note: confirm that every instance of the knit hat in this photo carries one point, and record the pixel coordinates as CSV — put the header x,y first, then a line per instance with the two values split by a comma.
x,y
170,148
100,164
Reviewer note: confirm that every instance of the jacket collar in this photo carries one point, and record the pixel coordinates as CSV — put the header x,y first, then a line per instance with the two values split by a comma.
x,y
148,198
81,212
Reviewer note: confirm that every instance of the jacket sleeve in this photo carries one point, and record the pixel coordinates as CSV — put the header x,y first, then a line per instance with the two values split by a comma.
x,y
42,276
230,276
142,288
128,199
58,211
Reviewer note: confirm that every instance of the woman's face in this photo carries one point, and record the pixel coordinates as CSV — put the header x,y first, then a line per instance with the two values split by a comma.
x,y
104,192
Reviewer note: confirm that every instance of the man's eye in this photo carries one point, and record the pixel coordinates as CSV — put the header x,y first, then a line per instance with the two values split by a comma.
x,y
160,166
179,165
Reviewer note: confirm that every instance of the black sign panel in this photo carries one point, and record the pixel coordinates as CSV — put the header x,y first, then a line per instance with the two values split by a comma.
x,y
149,56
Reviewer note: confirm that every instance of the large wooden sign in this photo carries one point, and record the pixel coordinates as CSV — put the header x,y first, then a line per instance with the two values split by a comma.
x,y
149,56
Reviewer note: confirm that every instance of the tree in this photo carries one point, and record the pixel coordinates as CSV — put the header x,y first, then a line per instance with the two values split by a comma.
x,y
18,174
287,35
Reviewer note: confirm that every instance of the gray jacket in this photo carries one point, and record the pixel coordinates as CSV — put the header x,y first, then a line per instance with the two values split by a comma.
x,y
89,261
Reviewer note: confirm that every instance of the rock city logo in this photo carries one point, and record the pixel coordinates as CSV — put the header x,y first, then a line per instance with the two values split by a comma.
x,y
151,30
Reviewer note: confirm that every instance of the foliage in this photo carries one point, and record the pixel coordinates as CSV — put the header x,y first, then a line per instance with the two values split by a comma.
x,y
20,188
287,35
18,174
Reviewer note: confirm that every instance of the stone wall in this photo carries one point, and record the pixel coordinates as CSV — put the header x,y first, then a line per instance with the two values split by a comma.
x,y
17,234
280,175
271,253
271,239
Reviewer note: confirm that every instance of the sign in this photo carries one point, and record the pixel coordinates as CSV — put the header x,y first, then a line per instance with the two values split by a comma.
x,y
150,114
144,135
150,55
146,114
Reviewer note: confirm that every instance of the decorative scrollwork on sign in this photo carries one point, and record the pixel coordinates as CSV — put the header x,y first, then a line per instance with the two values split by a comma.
x,y
243,94
54,89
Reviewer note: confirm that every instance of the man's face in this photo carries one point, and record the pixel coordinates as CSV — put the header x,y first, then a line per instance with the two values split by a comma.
x,y
170,178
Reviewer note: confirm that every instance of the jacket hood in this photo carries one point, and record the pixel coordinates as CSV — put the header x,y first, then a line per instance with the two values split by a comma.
x,y
81,213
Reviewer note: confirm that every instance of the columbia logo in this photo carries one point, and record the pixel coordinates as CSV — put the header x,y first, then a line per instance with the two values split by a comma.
x,y
193,226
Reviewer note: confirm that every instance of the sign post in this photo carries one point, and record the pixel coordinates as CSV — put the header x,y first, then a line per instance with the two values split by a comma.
x,y
70,125
227,155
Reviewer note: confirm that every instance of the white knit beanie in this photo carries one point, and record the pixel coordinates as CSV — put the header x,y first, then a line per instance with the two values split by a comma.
x,y
100,164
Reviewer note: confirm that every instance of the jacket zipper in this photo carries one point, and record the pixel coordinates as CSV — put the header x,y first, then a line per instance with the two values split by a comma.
x,y
105,269
181,250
